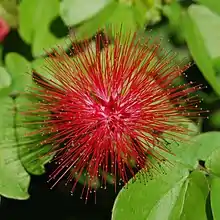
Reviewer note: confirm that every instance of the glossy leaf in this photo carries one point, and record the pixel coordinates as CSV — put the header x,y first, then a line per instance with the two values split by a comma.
x,y
76,11
198,23
32,153
9,11
14,180
214,5
122,20
20,70
37,29
90,27
5,78
139,9
173,12
168,197
197,148
215,119
213,162
208,24
215,192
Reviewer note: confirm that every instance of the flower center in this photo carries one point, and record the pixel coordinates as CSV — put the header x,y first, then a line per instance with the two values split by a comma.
x,y
116,112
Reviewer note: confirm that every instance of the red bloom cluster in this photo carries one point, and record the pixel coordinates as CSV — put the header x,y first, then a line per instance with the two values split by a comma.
x,y
104,110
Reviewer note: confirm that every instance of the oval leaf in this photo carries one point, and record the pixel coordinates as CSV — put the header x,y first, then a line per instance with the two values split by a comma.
x,y
197,148
213,162
90,27
169,198
76,11
18,67
215,192
196,36
14,180
35,24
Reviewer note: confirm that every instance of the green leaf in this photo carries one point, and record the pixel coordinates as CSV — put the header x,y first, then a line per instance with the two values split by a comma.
x,y
215,119
182,53
169,197
14,180
29,16
39,66
5,115
138,199
45,42
214,193
139,12
201,29
76,11
5,78
214,5
197,148
154,12
90,27
173,12
20,70
35,21
213,162
122,20
208,24
32,153
8,11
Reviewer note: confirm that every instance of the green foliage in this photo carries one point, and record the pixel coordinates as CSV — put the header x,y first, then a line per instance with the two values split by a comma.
x,y
14,180
215,191
195,34
215,119
173,13
169,196
9,11
32,154
173,194
214,5
19,68
36,30
212,163
5,81
71,10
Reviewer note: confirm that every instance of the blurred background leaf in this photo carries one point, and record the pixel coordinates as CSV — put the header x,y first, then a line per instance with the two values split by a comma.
x,y
198,45
76,11
9,11
37,29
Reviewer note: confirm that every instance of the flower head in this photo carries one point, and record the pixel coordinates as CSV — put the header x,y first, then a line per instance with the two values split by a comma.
x,y
108,107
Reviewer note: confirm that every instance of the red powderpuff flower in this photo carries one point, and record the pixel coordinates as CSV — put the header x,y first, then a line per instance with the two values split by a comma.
x,y
108,107
4,29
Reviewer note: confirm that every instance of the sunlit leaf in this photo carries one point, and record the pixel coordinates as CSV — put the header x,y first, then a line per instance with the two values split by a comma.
x,y
35,25
76,11
90,27
201,30
214,5
213,162
169,197
20,71
122,20
215,192
5,82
